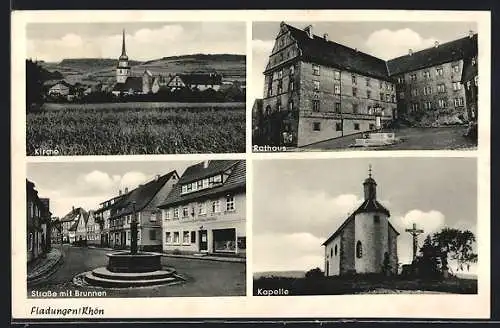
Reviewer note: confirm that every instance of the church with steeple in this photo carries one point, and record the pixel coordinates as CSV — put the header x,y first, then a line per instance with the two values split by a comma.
x,y
366,242
123,68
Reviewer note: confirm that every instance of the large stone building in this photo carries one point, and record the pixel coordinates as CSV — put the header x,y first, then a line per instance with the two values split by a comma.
x,y
205,212
143,202
366,242
316,89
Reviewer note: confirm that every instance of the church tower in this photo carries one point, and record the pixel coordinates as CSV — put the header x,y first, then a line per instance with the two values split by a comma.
x,y
123,68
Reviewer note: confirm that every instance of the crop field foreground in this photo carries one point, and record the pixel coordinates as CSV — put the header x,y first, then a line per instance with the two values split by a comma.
x,y
137,131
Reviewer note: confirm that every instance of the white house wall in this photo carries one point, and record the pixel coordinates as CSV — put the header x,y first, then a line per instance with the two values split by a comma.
x,y
374,242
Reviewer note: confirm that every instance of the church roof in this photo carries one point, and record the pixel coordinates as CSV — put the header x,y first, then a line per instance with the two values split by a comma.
x,y
132,82
372,206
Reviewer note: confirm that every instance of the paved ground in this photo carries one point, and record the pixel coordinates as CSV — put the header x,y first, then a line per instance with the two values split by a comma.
x,y
413,139
42,265
204,277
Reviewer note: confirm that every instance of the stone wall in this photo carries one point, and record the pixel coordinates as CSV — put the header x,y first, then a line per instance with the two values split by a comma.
x,y
347,245
374,240
332,257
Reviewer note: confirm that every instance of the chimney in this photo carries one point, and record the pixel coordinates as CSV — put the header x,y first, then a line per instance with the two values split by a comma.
x,y
436,44
410,52
325,36
126,189
205,164
72,208
308,30
157,177
356,49
471,33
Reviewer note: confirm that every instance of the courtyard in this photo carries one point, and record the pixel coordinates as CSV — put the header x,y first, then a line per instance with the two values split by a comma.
x,y
203,277
438,138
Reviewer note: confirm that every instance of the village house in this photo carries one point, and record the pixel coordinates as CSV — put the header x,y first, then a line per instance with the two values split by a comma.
x,y
93,230
316,89
143,202
195,81
205,212
61,88
56,231
70,223
38,217
366,242
103,214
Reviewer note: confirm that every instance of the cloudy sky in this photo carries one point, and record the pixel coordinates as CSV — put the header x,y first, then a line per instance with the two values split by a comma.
x,y
381,39
86,184
145,41
302,202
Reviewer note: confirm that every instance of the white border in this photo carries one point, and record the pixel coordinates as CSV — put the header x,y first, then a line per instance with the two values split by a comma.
x,y
359,306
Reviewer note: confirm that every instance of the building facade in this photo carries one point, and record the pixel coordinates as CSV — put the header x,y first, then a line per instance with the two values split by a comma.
x,y
38,218
316,89
470,81
103,215
93,229
205,212
142,202
366,242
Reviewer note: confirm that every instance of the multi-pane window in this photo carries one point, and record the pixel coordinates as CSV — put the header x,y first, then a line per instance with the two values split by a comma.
x,y
185,212
202,208
215,206
414,106
336,75
354,81
280,86
176,237
439,71
413,77
401,80
459,102
354,92
427,90
456,86
315,105
185,237
393,98
426,74
316,126
337,107
355,108
427,105
367,80
336,89
356,126
315,69
316,85
441,88
291,85
229,203
168,237
456,68
441,103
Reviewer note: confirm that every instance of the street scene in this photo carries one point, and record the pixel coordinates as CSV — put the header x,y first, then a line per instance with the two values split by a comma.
x,y
136,232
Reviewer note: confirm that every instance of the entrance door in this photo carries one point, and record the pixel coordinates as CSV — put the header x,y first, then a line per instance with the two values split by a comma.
x,y
203,241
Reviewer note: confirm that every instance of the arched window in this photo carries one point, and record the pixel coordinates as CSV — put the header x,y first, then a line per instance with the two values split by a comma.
x,y
359,250
335,250
331,252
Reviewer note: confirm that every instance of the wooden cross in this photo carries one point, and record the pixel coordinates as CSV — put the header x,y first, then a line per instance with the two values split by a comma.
x,y
414,232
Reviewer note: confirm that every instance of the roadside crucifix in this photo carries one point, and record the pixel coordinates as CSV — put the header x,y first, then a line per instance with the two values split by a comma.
x,y
414,232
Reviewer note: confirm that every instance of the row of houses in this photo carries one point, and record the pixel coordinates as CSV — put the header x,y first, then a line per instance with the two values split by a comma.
x,y
38,223
317,89
202,211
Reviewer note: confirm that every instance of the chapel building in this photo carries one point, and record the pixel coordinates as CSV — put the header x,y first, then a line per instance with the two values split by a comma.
x,y
366,242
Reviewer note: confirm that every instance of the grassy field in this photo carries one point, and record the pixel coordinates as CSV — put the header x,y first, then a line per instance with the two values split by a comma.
x,y
363,285
141,105
137,130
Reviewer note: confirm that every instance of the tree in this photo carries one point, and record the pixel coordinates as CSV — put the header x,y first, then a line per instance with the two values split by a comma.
x,y
457,246
34,84
429,265
315,273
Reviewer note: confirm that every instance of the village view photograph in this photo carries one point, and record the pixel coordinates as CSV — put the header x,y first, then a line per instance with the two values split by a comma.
x,y
365,226
136,229
135,88
320,86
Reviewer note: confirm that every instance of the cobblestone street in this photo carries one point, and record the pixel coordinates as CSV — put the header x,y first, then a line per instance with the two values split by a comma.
x,y
204,277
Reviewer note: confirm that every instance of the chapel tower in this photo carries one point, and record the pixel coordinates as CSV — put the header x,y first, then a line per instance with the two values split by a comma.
x,y
123,68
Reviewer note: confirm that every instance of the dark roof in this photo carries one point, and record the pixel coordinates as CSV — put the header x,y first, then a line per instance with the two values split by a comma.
x,y
201,79
329,53
141,195
73,214
103,208
63,82
369,205
235,180
443,53
132,82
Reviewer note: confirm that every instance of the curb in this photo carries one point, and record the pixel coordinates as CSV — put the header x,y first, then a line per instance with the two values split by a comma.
x,y
45,274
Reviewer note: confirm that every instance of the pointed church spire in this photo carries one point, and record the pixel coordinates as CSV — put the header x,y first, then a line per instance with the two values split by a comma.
x,y
124,52
370,186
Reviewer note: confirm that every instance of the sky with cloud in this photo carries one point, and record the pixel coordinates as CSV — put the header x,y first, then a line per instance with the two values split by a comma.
x,y
298,204
384,40
53,42
86,184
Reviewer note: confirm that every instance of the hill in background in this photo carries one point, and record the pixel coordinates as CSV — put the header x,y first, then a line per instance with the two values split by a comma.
x,y
282,274
232,67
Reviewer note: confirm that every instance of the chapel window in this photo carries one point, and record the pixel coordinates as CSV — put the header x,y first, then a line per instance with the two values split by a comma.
x,y
359,250
335,250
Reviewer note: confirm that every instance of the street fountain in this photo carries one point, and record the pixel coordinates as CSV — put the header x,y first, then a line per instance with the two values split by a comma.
x,y
131,269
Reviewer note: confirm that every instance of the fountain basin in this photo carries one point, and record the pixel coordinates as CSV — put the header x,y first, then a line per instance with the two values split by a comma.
x,y
102,277
124,262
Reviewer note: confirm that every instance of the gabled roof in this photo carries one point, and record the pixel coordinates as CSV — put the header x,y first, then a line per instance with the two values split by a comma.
x,y
372,206
73,214
201,79
329,53
235,181
63,82
443,53
142,195
132,82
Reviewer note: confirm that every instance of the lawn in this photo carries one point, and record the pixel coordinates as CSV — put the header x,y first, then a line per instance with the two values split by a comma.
x,y
362,285
440,138
138,130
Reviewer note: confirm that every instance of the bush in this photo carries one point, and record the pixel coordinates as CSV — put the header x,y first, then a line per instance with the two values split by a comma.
x,y
315,273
